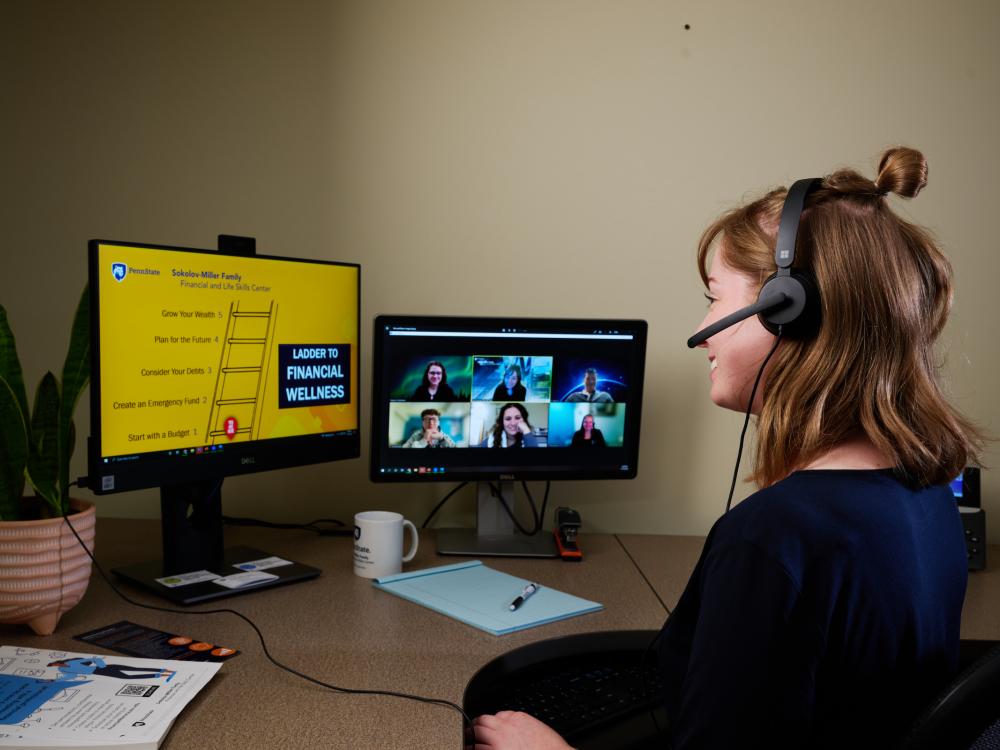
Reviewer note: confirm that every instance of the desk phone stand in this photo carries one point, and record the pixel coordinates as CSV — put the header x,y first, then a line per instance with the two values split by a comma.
x,y
495,534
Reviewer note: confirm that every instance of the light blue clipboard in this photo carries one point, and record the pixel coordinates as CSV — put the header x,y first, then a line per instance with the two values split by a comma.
x,y
480,596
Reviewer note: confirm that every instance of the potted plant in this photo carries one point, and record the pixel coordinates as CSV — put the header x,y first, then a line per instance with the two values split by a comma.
x,y
43,569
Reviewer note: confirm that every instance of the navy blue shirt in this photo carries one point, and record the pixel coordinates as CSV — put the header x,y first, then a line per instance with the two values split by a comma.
x,y
824,612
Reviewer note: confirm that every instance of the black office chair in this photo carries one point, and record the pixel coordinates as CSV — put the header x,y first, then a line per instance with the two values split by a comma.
x,y
575,684
966,714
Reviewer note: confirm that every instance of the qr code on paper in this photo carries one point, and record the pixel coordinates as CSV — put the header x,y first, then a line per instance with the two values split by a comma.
x,y
137,691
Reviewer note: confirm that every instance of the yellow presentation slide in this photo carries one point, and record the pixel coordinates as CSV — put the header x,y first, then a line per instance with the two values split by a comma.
x,y
201,350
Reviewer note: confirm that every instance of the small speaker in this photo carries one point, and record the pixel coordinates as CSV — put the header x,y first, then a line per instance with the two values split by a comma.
x,y
974,522
966,489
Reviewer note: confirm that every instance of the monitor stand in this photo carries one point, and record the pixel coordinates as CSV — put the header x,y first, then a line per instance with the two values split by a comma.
x,y
191,518
495,534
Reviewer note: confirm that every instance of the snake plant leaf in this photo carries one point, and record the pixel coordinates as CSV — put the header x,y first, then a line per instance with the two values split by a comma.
x,y
72,438
43,451
13,453
10,365
75,376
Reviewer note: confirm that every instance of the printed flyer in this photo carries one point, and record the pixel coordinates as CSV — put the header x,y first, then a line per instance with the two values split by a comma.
x,y
54,699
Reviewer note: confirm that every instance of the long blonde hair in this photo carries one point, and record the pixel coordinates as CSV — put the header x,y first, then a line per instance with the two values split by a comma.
x,y
885,294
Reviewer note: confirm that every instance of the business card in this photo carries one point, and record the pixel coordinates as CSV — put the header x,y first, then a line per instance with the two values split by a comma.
x,y
186,579
263,564
239,580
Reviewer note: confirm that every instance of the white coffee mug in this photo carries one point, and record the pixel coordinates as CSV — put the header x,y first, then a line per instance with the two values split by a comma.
x,y
378,543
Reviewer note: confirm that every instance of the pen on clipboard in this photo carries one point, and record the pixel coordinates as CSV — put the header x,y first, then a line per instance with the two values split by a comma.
x,y
530,589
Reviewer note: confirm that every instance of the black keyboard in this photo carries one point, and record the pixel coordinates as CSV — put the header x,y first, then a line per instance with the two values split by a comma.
x,y
590,688
576,700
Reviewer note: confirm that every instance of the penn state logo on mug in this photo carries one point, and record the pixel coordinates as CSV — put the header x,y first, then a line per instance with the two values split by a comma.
x,y
119,271
357,533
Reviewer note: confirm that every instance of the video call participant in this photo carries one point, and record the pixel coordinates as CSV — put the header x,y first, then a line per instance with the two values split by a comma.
x,y
588,435
824,610
435,386
590,392
430,436
511,430
510,388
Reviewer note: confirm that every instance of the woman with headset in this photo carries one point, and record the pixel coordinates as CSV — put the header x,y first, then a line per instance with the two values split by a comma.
x,y
824,610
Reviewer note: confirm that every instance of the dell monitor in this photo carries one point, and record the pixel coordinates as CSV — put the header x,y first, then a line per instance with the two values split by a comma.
x,y
498,400
208,364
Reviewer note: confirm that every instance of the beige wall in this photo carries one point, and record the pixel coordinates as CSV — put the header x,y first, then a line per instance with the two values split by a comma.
x,y
542,158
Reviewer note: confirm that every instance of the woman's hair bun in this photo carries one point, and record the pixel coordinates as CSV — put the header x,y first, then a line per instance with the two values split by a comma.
x,y
902,171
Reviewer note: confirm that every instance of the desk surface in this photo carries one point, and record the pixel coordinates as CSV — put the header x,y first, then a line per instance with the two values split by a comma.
x,y
340,629
667,561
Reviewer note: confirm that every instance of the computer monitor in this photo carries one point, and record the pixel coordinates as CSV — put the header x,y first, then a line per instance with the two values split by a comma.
x,y
208,364
497,400
965,487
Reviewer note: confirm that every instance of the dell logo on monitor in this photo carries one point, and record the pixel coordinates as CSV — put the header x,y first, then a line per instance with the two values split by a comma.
x,y
119,271
248,460
504,477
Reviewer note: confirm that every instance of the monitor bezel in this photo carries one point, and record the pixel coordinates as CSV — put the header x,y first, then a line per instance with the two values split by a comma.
x,y
379,406
158,470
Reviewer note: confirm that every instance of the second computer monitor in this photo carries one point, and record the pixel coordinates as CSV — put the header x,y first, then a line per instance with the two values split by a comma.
x,y
500,398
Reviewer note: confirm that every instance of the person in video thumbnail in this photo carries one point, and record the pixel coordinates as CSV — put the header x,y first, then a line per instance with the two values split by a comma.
x,y
511,430
511,389
435,386
588,434
430,436
590,392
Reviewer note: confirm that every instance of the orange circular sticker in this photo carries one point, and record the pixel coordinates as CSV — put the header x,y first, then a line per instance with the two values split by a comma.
x,y
179,640
222,651
201,646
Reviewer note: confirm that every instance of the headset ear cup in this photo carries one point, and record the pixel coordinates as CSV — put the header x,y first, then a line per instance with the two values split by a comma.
x,y
798,318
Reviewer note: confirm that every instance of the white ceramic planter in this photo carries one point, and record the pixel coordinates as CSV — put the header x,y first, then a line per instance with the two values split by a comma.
x,y
43,570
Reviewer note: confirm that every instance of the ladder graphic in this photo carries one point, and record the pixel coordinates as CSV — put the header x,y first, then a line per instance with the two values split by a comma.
x,y
242,374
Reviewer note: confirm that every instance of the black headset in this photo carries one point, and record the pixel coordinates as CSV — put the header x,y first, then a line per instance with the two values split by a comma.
x,y
789,299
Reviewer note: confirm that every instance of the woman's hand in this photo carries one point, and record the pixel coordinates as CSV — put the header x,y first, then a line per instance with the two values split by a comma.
x,y
523,427
513,730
